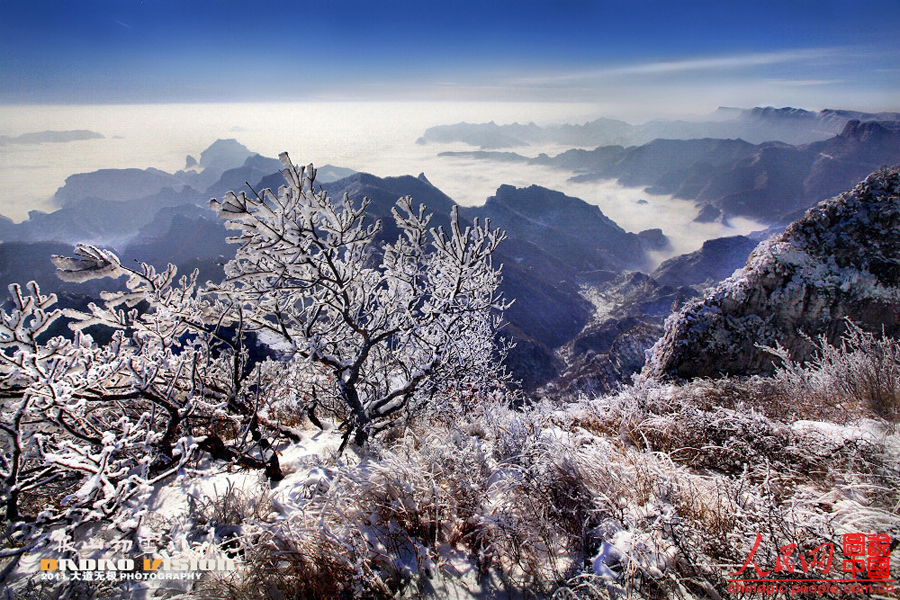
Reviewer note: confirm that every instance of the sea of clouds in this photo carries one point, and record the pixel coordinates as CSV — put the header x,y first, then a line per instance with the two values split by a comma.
x,y
376,137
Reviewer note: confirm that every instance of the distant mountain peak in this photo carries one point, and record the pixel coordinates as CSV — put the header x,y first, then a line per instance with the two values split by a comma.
x,y
573,229
865,131
224,154
535,199
786,112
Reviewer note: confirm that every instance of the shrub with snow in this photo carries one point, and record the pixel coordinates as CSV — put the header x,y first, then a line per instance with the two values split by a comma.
x,y
861,373
650,493
365,332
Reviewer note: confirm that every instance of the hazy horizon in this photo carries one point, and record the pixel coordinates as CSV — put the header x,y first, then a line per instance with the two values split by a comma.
x,y
354,83
378,138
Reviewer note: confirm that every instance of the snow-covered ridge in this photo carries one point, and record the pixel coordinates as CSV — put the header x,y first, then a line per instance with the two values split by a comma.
x,y
841,260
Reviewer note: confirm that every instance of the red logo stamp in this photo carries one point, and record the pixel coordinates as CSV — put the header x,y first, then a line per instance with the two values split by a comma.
x,y
865,569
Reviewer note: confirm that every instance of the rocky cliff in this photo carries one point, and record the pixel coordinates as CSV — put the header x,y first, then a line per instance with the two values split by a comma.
x,y
841,260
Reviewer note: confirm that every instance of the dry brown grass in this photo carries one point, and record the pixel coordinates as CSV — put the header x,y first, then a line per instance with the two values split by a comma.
x,y
859,376
682,477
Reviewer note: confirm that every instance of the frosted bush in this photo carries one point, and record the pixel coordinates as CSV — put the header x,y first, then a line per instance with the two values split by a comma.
x,y
862,372
389,324
652,493
366,333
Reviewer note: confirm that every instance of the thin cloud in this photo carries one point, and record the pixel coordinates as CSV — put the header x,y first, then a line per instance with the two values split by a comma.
x,y
726,62
718,63
804,82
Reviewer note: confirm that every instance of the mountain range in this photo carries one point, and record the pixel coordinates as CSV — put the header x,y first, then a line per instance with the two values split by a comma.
x,y
52,137
588,306
789,125
112,206
554,241
772,181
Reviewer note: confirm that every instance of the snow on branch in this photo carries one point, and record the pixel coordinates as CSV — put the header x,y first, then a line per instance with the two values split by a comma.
x,y
374,327
88,263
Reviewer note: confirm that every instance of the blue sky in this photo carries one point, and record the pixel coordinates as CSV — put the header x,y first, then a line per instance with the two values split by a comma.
x,y
812,53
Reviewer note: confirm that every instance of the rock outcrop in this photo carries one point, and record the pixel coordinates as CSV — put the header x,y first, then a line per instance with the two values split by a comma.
x,y
840,261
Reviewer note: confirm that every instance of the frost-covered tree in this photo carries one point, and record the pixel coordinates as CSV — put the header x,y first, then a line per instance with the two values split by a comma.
x,y
380,327
389,324
87,427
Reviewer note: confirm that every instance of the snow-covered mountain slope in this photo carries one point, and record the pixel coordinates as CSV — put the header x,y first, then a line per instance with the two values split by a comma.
x,y
840,261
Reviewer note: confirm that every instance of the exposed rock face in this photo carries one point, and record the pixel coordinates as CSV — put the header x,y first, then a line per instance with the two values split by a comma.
x,y
619,353
716,260
654,239
841,260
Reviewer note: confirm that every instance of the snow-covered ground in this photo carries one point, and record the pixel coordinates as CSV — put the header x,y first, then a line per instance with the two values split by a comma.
x,y
613,494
